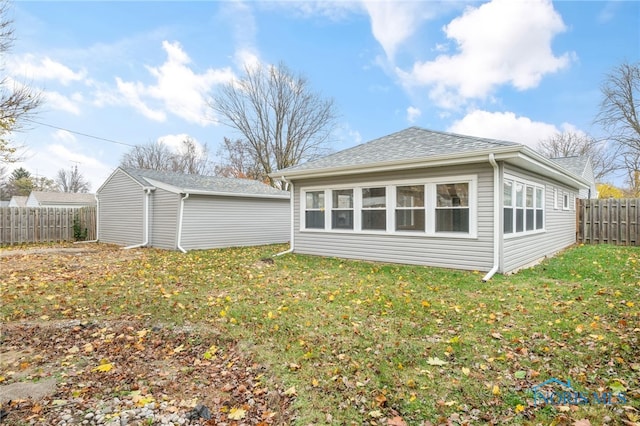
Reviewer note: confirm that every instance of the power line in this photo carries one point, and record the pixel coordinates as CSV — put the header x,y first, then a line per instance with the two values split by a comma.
x,y
78,133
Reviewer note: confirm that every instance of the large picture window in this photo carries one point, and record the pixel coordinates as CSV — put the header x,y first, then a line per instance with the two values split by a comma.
x,y
410,208
374,209
314,212
452,209
342,209
523,206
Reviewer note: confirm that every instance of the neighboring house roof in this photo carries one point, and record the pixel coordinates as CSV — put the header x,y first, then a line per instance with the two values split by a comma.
x,y
417,147
576,164
18,201
4,203
62,198
203,185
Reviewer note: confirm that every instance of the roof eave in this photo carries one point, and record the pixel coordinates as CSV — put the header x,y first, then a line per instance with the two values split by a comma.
x,y
505,153
191,191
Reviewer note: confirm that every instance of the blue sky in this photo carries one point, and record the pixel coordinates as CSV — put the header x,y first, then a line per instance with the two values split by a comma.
x,y
138,72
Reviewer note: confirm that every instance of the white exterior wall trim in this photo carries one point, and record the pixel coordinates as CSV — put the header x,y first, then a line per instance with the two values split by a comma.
x,y
292,212
147,222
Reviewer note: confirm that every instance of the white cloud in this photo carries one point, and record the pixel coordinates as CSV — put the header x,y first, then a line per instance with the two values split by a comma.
x,y
177,88
500,42
393,22
64,137
60,102
505,126
45,68
413,113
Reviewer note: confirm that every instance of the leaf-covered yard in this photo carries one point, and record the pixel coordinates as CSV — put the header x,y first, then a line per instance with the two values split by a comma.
x,y
309,340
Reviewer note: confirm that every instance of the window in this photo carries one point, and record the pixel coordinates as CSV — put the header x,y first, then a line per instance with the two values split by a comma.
x,y
431,207
519,207
314,210
523,207
452,208
508,206
565,201
555,198
374,209
342,209
410,208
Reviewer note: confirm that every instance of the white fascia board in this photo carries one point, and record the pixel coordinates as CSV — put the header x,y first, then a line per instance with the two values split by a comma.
x,y
178,190
536,162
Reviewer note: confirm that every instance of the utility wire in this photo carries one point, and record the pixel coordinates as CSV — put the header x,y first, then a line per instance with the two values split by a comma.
x,y
78,133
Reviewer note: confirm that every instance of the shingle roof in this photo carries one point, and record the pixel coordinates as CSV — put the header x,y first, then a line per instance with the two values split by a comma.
x,y
407,144
204,184
63,198
20,200
575,164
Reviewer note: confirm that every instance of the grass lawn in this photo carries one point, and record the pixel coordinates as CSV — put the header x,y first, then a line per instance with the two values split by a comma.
x,y
369,343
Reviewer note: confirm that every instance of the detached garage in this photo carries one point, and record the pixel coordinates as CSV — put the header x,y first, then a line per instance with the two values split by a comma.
x,y
138,208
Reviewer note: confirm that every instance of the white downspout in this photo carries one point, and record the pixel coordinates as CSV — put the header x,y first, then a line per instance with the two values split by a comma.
x,y
180,218
292,208
147,222
496,219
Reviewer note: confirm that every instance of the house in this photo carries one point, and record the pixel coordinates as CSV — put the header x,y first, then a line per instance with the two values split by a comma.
x,y
581,166
176,211
433,198
18,201
60,199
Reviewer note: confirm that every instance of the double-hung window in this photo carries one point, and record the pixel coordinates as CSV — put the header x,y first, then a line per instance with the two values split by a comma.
x,y
314,210
410,208
452,208
342,209
374,209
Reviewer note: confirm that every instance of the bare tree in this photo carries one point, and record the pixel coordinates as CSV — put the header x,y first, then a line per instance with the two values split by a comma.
x,y
154,156
618,115
192,158
282,120
72,181
567,144
238,161
17,101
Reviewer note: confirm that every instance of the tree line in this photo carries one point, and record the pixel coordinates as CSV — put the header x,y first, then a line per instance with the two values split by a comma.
x,y
280,121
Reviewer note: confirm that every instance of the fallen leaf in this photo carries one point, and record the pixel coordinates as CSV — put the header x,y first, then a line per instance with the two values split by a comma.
x,y
466,371
104,367
436,361
237,413
291,391
582,422
396,421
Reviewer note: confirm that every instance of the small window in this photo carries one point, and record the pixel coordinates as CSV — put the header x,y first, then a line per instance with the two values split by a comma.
x,y
374,209
530,213
565,201
555,198
314,210
342,209
539,209
507,190
410,208
452,207
519,207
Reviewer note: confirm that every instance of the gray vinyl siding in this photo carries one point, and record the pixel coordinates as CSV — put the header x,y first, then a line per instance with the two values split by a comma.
x,y
216,221
560,227
121,211
164,219
458,253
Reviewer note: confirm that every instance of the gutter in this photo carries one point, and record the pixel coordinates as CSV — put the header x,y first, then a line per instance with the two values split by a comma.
x,y
496,219
147,222
180,217
292,208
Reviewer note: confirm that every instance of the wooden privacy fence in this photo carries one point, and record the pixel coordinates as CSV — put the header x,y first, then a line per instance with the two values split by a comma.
x,y
20,225
609,221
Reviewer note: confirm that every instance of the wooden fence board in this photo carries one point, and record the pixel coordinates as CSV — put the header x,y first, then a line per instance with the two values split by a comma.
x,y
609,221
21,225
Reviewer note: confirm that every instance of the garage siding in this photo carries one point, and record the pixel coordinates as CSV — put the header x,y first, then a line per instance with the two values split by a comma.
x,y
164,219
218,221
121,211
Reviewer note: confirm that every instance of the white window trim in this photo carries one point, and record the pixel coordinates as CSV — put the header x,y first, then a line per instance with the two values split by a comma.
x,y
568,198
535,185
430,206
555,198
